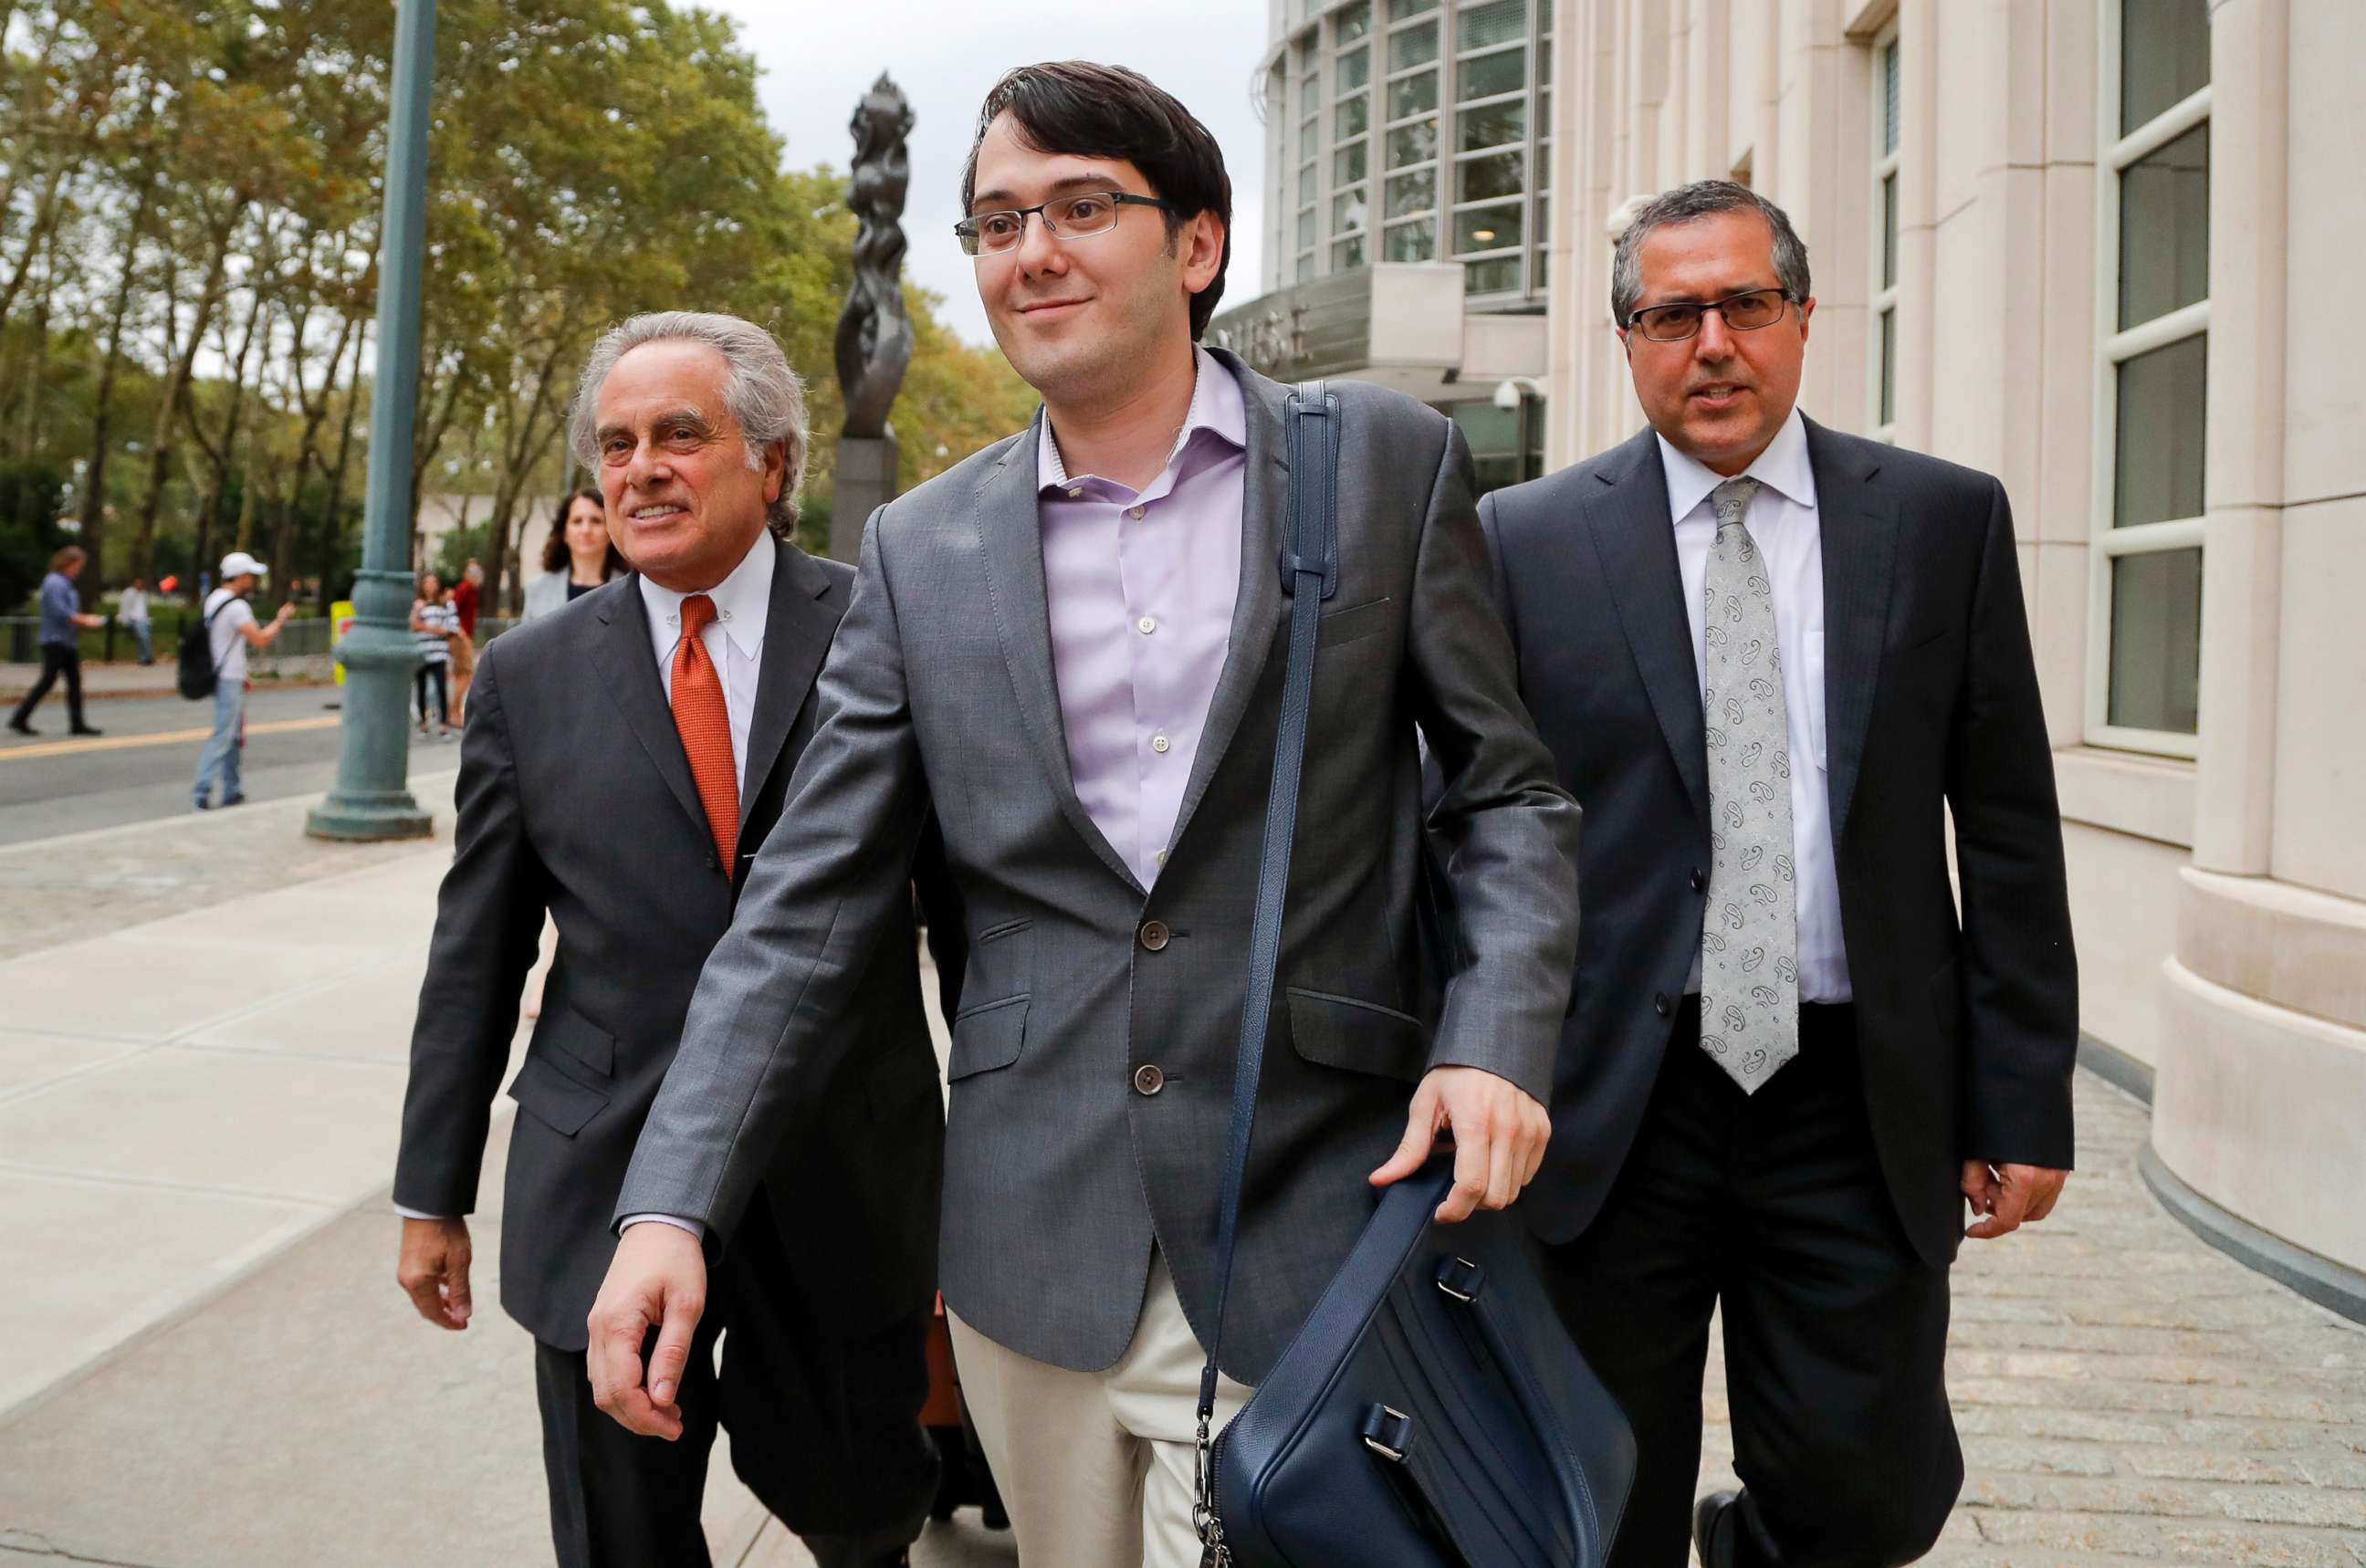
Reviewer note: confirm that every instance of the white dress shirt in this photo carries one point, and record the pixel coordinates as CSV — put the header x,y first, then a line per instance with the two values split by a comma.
x,y
1782,519
735,640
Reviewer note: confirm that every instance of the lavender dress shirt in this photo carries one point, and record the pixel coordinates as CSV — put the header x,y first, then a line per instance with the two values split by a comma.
x,y
1139,586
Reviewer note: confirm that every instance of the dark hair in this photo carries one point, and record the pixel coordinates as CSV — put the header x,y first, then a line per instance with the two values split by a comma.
x,y
1687,204
554,549
1106,111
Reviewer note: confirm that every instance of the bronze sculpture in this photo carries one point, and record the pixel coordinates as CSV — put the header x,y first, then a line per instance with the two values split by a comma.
x,y
874,336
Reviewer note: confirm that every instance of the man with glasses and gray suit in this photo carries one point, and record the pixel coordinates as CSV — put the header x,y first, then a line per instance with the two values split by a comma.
x,y
1071,645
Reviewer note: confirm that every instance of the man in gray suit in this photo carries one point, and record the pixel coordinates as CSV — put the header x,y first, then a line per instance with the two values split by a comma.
x,y
1070,645
623,755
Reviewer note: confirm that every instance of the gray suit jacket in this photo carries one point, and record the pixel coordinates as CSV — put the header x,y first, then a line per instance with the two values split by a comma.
x,y
1061,1173
575,798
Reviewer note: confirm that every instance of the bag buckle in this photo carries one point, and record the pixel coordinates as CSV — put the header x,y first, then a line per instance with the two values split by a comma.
x,y
1460,1277
1388,1432
1213,1552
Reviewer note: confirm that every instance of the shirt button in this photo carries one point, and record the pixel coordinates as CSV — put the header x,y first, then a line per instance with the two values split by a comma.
x,y
1153,935
1159,743
1136,512
1147,624
1660,1005
1148,1079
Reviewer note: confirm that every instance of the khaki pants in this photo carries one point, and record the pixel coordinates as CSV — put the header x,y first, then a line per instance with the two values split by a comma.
x,y
1096,1466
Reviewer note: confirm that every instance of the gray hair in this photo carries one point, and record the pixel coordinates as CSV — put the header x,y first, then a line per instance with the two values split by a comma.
x,y
1687,204
762,394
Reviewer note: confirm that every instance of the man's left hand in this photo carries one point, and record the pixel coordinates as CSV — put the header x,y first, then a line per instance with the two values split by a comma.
x,y
2006,1197
1498,1138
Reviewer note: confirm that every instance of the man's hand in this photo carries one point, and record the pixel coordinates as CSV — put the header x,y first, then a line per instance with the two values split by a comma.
x,y
1498,1138
2008,1196
657,1277
433,1269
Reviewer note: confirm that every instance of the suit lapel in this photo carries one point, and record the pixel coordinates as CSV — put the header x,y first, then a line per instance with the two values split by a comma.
x,y
628,671
798,627
1860,541
1010,535
1257,606
1636,541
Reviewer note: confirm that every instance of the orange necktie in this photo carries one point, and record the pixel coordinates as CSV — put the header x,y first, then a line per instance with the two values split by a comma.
x,y
706,725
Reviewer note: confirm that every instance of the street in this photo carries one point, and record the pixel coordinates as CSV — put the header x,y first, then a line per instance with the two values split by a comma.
x,y
140,768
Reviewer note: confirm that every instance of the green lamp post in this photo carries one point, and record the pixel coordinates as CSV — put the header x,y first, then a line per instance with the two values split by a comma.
x,y
372,798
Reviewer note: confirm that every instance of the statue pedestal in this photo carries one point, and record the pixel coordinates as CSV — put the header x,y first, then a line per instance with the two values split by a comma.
x,y
865,480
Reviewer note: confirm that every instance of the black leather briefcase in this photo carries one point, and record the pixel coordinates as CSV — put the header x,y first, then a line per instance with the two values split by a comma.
x,y
1432,1412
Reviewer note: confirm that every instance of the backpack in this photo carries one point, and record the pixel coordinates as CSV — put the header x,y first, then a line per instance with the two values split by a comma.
x,y
200,671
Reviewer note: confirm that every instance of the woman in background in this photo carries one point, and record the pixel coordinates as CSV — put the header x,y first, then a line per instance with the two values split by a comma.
x,y
433,624
577,557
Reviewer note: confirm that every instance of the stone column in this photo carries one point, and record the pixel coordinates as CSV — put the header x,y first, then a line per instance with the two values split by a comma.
x,y
864,481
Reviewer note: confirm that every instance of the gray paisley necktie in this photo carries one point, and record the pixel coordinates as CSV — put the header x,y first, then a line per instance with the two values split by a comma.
x,y
1750,937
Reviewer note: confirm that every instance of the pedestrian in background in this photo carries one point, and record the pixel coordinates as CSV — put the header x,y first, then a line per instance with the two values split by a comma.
x,y
577,557
62,623
132,609
464,594
435,624
231,629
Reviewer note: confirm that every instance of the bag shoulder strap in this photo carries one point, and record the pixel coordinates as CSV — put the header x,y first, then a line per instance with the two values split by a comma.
x,y
1310,574
208,625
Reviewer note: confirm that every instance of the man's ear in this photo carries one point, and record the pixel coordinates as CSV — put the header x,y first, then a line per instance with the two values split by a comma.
x,y
776,470
1203,251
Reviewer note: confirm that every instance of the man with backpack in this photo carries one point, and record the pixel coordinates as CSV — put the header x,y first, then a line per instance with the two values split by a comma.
x,y
213,664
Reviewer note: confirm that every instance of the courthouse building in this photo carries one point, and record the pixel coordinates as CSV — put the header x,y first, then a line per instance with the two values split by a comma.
x,y
2104,248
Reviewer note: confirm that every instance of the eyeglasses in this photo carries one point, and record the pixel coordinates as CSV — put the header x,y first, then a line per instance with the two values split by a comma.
x,y
1064,218
1743,313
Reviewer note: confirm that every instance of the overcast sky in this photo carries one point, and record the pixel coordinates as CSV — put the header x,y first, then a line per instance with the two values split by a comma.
x,y
817,59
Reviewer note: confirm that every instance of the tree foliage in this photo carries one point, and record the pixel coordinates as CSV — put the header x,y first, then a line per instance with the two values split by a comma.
x,y
190,197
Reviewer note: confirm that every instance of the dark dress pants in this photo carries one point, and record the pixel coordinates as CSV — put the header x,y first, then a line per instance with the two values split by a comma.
x,y
824,1430
1835,1330
57,659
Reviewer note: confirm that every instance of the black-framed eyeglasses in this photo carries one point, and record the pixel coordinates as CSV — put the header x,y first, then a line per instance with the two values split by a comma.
x,y
1743,312
1064,218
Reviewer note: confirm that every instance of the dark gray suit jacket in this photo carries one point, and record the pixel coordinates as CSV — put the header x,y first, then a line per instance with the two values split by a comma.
x,y
1060,1173
1967,1027
575,797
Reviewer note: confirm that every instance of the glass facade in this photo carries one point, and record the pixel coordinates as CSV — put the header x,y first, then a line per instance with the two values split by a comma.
x,y
1420,132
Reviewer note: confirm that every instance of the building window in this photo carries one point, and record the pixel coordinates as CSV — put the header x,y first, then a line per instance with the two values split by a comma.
x,y
1351,142
1883,377
1409,194
1492,137
2146,645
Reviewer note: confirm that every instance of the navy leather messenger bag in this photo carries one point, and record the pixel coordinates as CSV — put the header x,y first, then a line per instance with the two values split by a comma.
x,y
1432,1412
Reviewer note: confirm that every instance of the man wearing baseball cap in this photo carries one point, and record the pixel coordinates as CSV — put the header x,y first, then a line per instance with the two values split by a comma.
x,y
230,627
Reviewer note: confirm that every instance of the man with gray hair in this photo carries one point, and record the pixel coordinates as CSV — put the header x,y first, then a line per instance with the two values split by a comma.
x,y
1771,660
624,757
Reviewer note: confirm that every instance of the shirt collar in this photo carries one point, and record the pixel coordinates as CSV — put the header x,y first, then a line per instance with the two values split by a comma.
x,y
1783,468
742,602
1217,406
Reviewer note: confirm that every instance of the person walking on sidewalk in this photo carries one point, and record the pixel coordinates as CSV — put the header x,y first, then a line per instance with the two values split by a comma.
x,y
232,631
434,625
627,757
132,609
62,623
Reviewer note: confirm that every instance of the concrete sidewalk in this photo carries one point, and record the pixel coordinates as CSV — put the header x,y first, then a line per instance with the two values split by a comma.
x,y
210,1363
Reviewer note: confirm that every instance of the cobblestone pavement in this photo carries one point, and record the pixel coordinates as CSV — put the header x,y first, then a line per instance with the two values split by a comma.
x,y
2126,1394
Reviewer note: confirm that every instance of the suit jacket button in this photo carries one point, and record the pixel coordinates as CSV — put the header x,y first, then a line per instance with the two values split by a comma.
x,y
1148,1080
1154,936
1660,1005
1700,880
712,863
